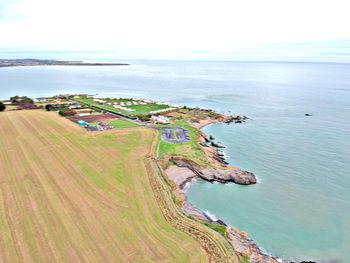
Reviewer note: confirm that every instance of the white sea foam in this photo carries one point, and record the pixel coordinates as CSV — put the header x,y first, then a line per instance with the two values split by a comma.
x,y
187,186
210,215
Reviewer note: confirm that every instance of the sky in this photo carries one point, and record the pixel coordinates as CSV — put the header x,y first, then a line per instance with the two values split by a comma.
x,y
182,28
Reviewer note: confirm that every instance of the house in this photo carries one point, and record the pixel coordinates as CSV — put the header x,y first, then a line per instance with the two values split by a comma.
x,y
74,106
41,99
160,119
99,101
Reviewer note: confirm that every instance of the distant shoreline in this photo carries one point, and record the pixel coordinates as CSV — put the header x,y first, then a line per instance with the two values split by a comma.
x,y
4,63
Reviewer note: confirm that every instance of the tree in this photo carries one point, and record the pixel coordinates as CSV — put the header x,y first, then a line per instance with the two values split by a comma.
x,y
14,99
21,99
48,107
2,106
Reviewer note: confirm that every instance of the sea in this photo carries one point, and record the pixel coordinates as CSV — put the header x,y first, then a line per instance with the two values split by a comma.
x,y
300,207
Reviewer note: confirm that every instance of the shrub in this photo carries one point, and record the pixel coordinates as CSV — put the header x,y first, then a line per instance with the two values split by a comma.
x,y
146,117
27,106
2,106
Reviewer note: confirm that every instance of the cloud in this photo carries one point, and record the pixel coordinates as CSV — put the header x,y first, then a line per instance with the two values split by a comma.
x,y
8,11
180,26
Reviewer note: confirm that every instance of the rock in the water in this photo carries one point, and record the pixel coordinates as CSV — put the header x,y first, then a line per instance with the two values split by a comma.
x,y
231,175
217,145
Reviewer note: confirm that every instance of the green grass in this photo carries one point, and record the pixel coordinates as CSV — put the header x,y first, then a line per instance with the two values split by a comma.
x,y
244,259
218,228
190,149
138,109
118,124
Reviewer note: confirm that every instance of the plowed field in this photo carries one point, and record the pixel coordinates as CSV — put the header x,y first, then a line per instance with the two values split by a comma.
x,y
67,195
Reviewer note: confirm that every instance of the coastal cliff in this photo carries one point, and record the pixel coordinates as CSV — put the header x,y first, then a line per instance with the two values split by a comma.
x,y
205,160
184,171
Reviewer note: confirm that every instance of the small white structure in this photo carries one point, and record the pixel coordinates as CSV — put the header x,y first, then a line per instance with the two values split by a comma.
x,y
40,100
81,113
74,106
160,119
122,108
163,110
99,101
84,114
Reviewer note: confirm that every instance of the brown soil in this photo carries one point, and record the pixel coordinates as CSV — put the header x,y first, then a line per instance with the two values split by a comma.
x,y
94,118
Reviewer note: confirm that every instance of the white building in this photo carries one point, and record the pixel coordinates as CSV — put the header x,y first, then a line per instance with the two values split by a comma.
x,y
99,101
40,100
160,119
163,110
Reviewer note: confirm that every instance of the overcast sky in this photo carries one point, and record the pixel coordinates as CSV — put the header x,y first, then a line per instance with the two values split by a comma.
x,y
165,28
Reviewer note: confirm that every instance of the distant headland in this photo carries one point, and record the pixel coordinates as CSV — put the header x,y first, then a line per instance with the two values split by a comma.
x,y
48,62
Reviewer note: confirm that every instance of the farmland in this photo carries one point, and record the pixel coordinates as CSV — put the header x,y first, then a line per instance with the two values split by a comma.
x,y
67,195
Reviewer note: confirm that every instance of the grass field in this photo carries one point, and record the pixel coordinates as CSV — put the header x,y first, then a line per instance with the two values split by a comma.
x,y
138,109
119,124
67,195
189,149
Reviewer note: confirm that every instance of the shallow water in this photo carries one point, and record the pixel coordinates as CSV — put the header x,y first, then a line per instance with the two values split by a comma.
x,y
301,206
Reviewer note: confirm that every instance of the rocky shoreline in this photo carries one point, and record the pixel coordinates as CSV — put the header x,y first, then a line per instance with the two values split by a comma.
x,y
184,171
182,176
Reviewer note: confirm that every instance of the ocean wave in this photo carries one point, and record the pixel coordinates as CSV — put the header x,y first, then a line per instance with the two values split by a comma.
x,y
211,216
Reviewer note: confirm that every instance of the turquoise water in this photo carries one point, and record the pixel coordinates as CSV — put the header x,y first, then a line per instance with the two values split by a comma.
x,y
301,206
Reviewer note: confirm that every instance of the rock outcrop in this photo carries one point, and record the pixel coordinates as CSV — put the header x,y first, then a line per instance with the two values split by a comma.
x,y
247,247
229,174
